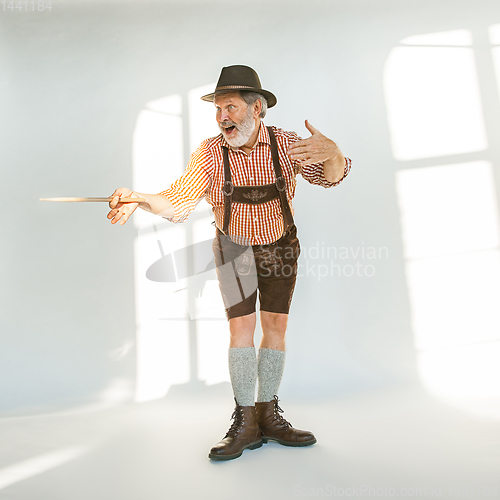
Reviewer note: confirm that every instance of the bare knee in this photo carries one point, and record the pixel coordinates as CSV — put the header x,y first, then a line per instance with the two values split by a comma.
x,y
273,330
242,330
273,322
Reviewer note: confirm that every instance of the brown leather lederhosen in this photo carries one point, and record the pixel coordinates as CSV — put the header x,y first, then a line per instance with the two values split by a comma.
x,y
255,195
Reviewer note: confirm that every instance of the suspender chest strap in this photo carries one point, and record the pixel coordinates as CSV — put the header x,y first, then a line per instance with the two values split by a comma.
x,y
280,183
256,195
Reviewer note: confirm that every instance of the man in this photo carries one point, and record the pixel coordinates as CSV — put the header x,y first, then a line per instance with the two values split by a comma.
x,y
248,175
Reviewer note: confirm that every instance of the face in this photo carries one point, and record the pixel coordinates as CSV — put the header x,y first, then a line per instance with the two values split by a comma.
x,y
235,118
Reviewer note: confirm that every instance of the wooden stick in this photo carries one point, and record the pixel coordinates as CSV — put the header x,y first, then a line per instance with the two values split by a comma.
x,y
121,200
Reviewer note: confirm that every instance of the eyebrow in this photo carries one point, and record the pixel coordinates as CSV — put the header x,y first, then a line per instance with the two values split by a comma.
x,y
227,104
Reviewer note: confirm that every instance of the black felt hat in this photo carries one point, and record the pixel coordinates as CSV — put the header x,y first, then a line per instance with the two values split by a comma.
x,y
240,78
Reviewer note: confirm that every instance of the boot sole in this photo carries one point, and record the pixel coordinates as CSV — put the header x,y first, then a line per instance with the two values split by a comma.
x,y
265,439
251,446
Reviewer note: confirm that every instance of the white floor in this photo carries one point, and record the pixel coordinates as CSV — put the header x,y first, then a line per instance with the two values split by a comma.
x,y
396,443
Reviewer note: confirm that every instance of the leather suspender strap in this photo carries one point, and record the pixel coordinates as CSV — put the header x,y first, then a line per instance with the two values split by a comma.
x,y
280,182
227,189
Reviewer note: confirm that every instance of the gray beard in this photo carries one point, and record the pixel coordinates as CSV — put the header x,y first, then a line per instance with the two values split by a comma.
x,y
245,131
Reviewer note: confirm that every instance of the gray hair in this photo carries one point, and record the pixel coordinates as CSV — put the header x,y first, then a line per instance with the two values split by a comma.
x,y
251,97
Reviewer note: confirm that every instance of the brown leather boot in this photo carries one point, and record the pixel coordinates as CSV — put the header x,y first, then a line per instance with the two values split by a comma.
x,y
243,433
274,427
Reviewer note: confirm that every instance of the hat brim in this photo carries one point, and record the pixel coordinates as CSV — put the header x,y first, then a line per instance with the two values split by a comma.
x,y
270,97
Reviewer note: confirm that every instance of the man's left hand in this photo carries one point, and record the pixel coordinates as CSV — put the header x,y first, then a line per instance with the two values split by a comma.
x,y
315,149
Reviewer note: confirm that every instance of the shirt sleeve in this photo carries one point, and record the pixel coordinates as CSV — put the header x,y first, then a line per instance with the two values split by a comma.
x,y
314,173
189,189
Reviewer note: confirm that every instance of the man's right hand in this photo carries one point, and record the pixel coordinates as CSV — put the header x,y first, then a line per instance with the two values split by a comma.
x,y
122,211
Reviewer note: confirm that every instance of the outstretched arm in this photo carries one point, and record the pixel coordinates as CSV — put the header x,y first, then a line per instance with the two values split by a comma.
x,y
319,149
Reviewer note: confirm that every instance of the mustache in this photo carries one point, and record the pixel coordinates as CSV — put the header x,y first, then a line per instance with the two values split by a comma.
x,y
227,124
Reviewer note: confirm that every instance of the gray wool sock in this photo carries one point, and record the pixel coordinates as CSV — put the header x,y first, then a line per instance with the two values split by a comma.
x,y
243,372
271,363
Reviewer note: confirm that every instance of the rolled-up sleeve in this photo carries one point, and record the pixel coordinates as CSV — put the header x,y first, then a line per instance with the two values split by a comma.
x,y
314,174
189,189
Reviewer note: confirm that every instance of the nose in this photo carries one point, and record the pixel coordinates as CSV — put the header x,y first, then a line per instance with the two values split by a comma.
x,y
222,116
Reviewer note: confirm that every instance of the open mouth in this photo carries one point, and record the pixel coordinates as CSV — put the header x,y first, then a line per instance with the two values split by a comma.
x,y
228,128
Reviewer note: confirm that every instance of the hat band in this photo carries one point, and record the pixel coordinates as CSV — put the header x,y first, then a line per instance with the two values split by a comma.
x,y
233,87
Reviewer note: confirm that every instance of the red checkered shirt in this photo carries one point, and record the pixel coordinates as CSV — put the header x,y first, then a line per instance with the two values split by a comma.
x,y
204,176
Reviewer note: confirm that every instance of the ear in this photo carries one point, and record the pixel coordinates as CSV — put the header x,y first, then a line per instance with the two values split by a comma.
x,y
257,108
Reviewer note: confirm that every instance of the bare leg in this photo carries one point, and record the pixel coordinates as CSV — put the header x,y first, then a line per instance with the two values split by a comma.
x,y
273,330
242,330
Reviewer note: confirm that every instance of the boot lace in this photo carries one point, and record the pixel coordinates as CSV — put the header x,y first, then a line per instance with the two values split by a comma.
x,y
237,418
278,411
